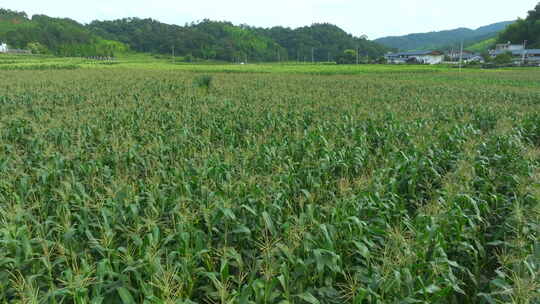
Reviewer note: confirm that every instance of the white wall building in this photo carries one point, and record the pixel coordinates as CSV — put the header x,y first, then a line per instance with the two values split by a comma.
x,y
3,47
508,47
426,57
519,56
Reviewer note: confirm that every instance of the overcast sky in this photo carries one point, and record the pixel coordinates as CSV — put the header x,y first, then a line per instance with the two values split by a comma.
x,y
373,18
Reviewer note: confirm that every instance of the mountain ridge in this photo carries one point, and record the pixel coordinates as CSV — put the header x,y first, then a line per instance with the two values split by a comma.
x,y
206,40
443,39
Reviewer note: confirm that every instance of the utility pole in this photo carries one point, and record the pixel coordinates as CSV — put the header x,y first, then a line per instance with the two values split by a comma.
x,y
312,55
278,56
460,56
524,52
173,53
357,55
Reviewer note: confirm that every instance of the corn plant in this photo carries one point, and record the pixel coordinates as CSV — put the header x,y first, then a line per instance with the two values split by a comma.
x,y
315,184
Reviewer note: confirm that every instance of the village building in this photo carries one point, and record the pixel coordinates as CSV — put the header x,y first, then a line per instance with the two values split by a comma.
x,y
508,47
518,51
425,57
465,57
3,47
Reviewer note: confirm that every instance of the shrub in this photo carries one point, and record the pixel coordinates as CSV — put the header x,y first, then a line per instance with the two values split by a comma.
x,y
504,58
203,81
348,57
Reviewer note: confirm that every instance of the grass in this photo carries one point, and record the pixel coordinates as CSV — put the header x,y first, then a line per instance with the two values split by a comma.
x,y
281,184
482,46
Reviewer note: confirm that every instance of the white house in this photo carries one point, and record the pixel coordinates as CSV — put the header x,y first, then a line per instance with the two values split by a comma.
x,y
518,56
426,57
464,56
518,51
509,47
3,47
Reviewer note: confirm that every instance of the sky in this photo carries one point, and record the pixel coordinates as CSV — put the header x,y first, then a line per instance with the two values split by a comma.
x,y
372,18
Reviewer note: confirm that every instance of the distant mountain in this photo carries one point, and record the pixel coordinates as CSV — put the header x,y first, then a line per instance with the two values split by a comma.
x,y
493,28
443,39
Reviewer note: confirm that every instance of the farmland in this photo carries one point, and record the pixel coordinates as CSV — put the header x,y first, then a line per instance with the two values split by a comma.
x,y
137,183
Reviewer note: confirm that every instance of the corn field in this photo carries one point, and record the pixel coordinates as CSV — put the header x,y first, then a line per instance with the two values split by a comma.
x,y
129,185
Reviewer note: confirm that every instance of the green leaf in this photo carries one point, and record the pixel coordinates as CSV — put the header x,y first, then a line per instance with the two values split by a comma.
x,y
487,297
308,297
500,283
364,251
97,300
240,229
410,301
268,222
432,289
125,295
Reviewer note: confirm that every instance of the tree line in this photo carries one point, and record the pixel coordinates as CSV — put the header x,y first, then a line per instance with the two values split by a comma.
x,y
209,40
58,36
225,41
527,29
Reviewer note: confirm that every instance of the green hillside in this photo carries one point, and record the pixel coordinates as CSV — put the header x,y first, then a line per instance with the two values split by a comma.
x,y
443,39
57,36
11,20
327,40
482,46
226,41
209,40
524,29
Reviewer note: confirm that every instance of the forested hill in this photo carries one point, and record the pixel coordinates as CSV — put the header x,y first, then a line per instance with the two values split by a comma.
x,y
327,40
527,29
443,39
58,36
225,41
207,39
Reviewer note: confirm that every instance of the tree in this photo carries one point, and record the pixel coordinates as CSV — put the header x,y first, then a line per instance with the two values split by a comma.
x,y
189,58
207,39
37,48
524,29
505,58
347,57
9,14
381,60
58,36
486,56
